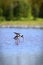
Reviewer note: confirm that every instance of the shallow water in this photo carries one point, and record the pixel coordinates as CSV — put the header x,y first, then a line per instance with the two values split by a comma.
x,y
28,51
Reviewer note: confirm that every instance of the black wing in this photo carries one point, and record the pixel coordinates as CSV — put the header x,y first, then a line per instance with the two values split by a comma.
x,y
17,33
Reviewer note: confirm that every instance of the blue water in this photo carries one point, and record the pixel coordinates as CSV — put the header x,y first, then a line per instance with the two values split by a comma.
x,y
33,40
28,52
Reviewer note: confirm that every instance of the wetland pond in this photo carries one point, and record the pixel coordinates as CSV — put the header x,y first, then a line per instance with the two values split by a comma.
x,y
28,52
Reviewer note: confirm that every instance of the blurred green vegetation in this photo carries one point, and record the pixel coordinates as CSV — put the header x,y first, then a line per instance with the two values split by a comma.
x,y
21,9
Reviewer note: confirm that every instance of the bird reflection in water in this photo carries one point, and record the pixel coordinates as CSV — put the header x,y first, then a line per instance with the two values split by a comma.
x,y
17,38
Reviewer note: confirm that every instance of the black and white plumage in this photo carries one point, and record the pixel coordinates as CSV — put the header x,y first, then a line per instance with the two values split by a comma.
x,y
18,35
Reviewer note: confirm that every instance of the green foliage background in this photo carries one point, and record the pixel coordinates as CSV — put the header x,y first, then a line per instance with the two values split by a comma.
x,y
18,9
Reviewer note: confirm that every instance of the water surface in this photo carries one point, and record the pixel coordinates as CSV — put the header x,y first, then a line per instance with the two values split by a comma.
x,y
29,50
33,39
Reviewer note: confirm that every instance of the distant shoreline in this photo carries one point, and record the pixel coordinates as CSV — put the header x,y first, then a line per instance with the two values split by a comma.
x,y
21,26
